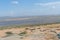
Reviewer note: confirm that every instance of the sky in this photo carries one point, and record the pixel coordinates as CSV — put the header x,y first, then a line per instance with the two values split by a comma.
x,y
29,7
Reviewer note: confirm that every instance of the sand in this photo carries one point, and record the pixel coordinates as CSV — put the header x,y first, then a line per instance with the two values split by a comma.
x,y
43,32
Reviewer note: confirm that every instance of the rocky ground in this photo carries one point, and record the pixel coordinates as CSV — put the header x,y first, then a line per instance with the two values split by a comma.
x,y
43,32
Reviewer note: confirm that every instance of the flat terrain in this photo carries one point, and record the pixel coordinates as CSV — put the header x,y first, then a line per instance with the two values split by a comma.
x,y
28,20
39,32
13,19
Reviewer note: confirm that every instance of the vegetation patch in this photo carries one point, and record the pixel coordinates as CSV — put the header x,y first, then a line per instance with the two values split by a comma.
x,y
8,34
25,25
22,33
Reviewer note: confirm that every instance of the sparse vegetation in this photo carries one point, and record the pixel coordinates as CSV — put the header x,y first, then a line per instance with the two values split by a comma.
x,y
21,26
58,36
8,34
27,30
22,33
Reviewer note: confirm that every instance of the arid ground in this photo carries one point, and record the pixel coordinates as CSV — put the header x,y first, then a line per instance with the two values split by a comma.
x,y
39,32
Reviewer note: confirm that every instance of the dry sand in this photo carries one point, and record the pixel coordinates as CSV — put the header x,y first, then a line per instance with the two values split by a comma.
x,y
43,32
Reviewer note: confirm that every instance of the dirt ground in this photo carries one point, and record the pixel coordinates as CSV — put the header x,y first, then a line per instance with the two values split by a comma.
x,y
43,32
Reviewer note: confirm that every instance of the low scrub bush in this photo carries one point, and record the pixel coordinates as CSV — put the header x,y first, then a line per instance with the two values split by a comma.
x,y
22,33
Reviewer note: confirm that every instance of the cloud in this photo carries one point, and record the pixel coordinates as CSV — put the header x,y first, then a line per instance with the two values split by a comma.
x,y
14,2
49,4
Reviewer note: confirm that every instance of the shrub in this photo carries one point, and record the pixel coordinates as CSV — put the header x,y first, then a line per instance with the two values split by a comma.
x,y
58,36
22,33
8,34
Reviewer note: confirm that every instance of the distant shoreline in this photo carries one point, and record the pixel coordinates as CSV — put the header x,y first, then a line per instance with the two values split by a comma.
x,y
33,24
30,25
30,20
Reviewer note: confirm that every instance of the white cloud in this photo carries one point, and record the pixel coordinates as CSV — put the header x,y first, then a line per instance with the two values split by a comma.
x,y
49,4
14,2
